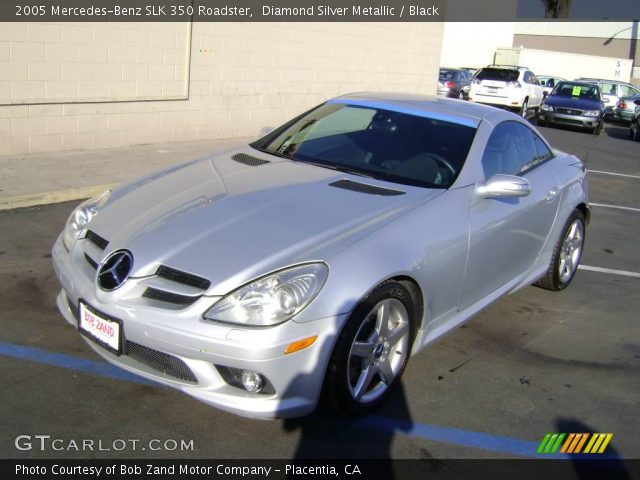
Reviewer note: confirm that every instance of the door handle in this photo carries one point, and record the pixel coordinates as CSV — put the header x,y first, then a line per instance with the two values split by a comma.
x,y
553,193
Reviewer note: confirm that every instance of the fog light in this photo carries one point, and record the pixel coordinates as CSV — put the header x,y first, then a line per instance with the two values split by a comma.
x,y
251,381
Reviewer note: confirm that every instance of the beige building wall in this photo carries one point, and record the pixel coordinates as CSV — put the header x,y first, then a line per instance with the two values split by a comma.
x,y
95,85
471,44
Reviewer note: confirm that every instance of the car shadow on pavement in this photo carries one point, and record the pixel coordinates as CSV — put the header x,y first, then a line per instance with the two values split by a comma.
x,y
328,435
617,130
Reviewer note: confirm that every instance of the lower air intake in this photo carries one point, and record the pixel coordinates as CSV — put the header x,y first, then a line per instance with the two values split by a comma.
x,y
163,362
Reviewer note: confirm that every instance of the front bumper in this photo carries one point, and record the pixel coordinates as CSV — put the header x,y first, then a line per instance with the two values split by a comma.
x,y
161,340
579,121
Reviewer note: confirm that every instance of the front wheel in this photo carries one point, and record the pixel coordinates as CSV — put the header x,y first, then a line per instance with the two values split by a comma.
x,y
566,254
372,350
598,128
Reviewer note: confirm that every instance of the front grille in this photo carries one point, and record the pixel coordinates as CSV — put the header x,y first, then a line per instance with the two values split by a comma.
x,y
163,362
569,111
169,297
365,188
96,239
91,261
249,160
183,277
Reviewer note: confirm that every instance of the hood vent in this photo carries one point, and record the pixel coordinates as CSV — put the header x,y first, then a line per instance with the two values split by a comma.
x,y
365,188
249,160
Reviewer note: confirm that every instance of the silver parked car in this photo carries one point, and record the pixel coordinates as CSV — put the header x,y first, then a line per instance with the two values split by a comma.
x,y
623,111
312,263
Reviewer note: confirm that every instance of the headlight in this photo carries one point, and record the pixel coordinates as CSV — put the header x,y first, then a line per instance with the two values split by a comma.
x,y
592,113
272,299
546,108
80,218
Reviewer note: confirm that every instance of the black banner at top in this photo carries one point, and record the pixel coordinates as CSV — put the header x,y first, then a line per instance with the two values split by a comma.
x,y
316,10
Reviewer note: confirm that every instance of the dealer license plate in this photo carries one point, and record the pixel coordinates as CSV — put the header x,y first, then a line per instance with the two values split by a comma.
x,y
106,332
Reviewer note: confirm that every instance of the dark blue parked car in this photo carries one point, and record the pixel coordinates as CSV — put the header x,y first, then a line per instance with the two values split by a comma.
x,y
577,104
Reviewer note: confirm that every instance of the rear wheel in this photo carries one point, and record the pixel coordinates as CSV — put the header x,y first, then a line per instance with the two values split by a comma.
x,y
525,108
636,134
372,350
566,254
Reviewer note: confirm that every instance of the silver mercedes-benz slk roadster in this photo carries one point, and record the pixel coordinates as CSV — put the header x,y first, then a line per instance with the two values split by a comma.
x,y
312,263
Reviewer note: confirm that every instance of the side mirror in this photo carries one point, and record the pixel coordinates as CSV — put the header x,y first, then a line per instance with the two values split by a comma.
x,y
505,186
637,101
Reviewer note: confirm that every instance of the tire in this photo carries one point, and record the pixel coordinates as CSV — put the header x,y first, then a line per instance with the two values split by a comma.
x,y
369,358
598,129
566,254
636,135
461,95
525,108
541,123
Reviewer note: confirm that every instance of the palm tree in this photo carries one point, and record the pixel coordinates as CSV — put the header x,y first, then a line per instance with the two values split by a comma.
x,y
556,8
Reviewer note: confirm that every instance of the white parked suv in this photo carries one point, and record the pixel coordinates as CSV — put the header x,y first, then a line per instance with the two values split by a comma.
x,y
507,86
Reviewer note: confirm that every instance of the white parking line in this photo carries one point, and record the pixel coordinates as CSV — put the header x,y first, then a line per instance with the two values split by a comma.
x,y
618,207
625,273
612,173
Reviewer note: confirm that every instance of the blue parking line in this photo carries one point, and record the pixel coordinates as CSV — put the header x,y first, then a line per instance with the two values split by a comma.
x,y
454,436
72,363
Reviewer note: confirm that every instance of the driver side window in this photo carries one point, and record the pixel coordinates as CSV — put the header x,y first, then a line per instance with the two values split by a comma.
x,y
510,150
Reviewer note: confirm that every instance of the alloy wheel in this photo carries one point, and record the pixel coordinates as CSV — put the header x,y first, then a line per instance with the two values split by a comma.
x,y
378,351
570,251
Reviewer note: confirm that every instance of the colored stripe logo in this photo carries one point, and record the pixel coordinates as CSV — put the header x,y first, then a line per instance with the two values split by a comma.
x,y
574,442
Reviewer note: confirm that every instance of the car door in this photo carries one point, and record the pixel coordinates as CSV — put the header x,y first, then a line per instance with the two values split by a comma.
x,y
507,234
535,90
609,93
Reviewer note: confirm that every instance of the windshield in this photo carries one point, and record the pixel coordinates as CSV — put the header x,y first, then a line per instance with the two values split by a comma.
x,y
374,142
499,74
577,90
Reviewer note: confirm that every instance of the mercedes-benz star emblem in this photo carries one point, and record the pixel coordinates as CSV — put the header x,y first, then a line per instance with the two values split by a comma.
x,y
115,270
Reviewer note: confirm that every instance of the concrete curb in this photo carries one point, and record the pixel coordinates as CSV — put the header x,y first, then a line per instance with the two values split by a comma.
x,y
46,198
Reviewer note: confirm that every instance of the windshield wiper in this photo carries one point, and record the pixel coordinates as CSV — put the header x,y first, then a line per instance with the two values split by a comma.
x,y
337,168
271,152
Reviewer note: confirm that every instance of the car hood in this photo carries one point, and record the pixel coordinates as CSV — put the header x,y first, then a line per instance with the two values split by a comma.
x,y
230,222
569,102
